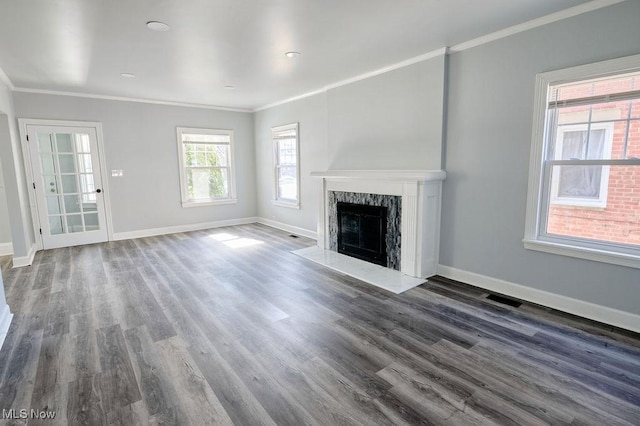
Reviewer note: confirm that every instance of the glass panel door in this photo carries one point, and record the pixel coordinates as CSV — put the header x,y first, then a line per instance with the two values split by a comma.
x,y
70,201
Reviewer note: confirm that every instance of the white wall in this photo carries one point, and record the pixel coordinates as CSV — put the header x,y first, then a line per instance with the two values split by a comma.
x,y
140,138
487,156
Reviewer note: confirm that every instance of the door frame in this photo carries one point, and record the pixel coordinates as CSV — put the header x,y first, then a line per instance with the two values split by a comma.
x,y
28,171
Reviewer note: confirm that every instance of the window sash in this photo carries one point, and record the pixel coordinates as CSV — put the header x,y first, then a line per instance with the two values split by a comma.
x,y
279,136
225,166
225,173
542,160
226,157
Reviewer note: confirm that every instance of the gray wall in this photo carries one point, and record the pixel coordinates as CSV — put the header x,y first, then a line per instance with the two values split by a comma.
x,y
140,138
390,121
487,150
15,189
310,113
5,228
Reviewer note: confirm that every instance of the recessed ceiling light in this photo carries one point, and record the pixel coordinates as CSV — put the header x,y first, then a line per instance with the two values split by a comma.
x,y
127,75
157,26
229,87
292,54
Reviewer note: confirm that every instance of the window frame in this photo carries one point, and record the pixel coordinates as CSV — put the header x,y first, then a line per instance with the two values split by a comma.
x,y
535,236
277,199
601,202
184,193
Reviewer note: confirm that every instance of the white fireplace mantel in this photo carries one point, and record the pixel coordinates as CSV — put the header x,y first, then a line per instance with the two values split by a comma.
x,y
421,192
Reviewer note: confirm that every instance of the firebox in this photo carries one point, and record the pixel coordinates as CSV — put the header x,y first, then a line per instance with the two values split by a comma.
x,y
362,231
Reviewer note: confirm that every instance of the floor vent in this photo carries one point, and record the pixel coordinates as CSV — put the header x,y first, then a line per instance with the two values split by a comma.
x,y
294,236
504,300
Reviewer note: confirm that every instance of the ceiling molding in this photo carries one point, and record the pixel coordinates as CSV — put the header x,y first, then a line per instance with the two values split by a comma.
x,y
295,98
534,23
6,80
126,99
538,22
430,55
433,54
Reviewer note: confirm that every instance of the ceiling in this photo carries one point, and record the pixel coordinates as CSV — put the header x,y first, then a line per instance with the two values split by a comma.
x,y
83,46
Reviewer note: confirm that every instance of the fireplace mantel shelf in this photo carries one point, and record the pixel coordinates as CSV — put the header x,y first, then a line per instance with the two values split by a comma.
x,y
386,175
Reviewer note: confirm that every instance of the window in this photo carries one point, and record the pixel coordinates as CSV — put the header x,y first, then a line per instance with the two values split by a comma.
x,y
582,185
584,177
286,159
206,166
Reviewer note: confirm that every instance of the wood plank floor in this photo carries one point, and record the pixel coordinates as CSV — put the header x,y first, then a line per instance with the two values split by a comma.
x,y
226,326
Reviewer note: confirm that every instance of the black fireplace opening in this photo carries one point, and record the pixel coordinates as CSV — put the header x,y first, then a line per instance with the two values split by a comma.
x,y
362,231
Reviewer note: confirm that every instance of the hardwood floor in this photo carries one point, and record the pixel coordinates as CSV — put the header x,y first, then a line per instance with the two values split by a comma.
x,y
225,326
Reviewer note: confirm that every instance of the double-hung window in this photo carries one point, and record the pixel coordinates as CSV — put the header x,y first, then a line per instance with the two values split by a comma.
x,y
584,177
206,166
286,165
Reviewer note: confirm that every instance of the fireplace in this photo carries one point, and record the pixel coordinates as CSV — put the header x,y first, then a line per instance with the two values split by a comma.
x,y
362,232
412,199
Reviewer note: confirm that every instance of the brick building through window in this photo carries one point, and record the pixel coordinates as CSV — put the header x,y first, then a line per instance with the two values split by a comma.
x,y
595,202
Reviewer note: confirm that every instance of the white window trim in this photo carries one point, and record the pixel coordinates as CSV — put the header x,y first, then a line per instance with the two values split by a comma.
x,y
284,202
533,238
186,201
601,202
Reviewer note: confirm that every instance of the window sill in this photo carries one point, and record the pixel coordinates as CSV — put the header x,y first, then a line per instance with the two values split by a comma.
x,y
187,204
597,255
289,204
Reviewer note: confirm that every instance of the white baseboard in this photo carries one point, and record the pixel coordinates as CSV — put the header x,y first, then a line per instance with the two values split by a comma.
x,y
19,262
6,249
589,310
5,322
117,236
289,228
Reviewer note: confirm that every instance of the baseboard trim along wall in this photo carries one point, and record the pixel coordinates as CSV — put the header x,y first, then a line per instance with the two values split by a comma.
x,y
152,232
6,249
589,310
289,228
19,262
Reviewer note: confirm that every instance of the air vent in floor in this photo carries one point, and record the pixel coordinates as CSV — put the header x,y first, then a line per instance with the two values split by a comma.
x,y
504,300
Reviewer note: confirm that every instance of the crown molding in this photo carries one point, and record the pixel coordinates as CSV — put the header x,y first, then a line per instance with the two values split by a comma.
x,y
488,38
433,54
430,55
127,99
534,23
292,99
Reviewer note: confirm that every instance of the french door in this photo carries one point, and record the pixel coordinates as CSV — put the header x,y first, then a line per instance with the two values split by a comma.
x,y
68,185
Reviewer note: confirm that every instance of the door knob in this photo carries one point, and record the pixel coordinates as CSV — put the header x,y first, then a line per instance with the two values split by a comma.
x,y
98,190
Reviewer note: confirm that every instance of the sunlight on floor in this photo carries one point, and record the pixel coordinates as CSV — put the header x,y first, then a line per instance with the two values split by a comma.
x,y
234,241
223,236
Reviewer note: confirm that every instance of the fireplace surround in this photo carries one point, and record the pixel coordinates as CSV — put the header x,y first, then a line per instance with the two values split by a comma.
x,y
419,194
